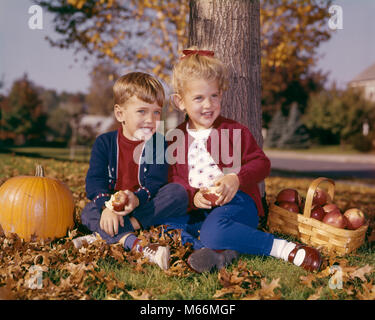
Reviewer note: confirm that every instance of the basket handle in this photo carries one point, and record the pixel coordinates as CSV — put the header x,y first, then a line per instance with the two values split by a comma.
x,y
311,191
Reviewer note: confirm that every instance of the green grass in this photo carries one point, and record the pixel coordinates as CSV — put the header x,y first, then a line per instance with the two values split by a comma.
x,y
329,149
162,286
81,153
204,286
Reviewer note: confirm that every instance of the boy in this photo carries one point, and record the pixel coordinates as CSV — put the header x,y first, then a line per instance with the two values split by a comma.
x,y
118,163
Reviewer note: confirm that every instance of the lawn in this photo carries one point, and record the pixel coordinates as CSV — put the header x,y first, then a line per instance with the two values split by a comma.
x,y
328,149
79,153
99,271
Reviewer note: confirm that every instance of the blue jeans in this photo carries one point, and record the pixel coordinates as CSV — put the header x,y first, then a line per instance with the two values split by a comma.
x,y
231,226
170,201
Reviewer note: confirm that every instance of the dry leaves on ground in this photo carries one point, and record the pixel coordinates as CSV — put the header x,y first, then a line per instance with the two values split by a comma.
x,y
58,270
243,283
342,277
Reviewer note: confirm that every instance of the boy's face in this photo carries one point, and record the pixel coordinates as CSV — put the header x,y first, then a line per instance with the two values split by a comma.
x,y
138,118
201,100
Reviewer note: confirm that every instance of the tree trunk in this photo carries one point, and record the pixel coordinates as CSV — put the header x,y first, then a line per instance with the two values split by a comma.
x,y
231,28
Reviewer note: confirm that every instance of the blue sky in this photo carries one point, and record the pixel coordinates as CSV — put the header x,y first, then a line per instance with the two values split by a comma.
x,y
346,54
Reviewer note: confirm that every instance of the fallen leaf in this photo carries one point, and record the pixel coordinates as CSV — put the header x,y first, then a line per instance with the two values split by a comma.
x,y
6,293
368,292
307,280
316,295
140,294
361,272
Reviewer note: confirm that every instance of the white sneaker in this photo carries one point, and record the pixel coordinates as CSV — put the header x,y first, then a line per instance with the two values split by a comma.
x,y
78,242
157,254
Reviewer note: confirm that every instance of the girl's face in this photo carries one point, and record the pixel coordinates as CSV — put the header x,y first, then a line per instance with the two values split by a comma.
x,y
201,100
139,119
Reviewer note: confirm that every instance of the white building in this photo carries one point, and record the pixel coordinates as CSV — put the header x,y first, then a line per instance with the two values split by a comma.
x,y
98,124
366,80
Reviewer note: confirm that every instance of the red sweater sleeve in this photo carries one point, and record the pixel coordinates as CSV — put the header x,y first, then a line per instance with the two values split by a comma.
x,y
255,165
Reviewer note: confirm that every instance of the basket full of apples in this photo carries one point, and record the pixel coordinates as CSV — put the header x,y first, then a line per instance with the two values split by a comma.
x,y
317,220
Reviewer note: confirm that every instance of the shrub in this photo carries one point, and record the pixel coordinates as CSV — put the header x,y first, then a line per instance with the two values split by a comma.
x,y
363,143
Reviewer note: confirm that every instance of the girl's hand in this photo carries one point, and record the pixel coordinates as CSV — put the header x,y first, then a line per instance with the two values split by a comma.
x,y
109,222
200,201
227,188
133,203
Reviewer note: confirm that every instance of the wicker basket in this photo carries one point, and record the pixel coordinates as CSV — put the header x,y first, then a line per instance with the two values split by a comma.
x,y
313,232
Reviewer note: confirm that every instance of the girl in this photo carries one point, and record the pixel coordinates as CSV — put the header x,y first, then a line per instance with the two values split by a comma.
x,y
223,154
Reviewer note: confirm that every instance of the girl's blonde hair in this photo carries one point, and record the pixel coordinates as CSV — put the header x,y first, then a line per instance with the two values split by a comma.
x,y
142,85
196,66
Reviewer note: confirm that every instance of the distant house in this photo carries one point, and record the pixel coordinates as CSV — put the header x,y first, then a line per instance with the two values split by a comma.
x,y
366,80
98,124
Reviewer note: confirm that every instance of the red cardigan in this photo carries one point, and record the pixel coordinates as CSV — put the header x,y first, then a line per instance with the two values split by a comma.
x,y
254,167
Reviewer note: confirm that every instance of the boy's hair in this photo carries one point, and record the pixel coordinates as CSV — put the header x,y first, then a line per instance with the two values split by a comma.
x,y
196,66
142,85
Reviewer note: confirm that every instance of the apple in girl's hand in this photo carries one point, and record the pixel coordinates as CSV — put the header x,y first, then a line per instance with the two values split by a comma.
x,y
120,201
355,218
335,219
289,195
211,195
321,197
317,213
290,206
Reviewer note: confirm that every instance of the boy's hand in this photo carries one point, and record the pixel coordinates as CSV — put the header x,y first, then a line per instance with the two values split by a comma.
x,y
200,201
109,222
132,203
227,187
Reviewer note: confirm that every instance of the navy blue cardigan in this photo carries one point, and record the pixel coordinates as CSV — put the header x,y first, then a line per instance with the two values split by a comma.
x,y
103,170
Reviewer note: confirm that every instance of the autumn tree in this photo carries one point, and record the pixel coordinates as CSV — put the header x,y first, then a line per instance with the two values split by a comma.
x,y
23,116
100,96
337,116
291,33
232,30
142,34
150,34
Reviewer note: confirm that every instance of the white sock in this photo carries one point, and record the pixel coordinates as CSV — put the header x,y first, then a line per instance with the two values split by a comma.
x,y
282,248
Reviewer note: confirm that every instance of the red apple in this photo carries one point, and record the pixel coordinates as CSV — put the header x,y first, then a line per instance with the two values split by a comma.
x,y
120,201
335,219
330,207
321,197
211,195
290,206
289,195
355,218
317,213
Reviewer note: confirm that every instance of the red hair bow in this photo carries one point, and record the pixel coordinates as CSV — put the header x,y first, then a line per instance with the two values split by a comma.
x,y
207,53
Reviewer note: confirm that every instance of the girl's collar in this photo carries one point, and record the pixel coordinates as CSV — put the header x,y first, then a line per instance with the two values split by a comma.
x,y
198,134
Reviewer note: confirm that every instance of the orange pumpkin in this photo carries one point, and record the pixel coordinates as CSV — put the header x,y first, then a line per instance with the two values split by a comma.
x,y
36,206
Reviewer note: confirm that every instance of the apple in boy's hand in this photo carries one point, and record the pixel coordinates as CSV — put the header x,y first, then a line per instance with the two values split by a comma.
x,y
355,218
120,201
211,195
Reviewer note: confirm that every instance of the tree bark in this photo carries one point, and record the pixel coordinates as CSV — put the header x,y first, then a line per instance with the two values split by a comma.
x,y
231,28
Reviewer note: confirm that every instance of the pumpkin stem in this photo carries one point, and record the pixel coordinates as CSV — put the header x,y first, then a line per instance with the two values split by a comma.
x,y
39,172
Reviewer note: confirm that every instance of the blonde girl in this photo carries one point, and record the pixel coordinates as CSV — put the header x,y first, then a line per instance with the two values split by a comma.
x,y
221,231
